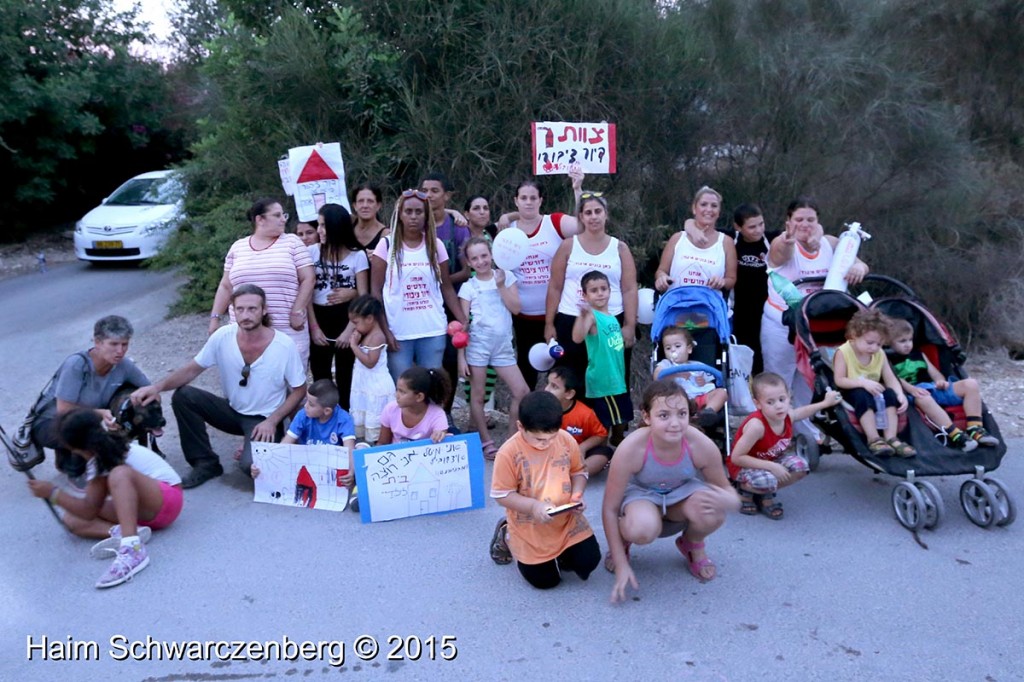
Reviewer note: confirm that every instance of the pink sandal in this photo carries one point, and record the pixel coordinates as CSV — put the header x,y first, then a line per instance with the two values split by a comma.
x,y
686,548
489,450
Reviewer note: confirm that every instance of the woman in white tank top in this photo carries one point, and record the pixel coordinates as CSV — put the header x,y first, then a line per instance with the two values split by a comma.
x,y
698,255
803,250
545,233
592,249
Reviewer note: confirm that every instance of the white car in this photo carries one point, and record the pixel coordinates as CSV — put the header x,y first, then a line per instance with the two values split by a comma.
x,y
133,222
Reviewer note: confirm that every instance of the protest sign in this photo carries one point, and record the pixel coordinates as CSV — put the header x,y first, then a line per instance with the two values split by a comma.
x,y
420,477
557,145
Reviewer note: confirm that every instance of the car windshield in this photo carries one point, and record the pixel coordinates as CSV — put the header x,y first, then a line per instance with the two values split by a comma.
x,y
147,191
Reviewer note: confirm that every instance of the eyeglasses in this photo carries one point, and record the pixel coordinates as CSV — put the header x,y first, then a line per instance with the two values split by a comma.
x,y
277,215
591,195
410,193
246,371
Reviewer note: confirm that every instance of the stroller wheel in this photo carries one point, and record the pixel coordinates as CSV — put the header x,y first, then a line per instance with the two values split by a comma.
x,y
909,505
808,449
979,502
1007,509
934,508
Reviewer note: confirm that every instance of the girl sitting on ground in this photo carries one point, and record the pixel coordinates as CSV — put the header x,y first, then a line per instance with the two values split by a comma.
x,y
127,484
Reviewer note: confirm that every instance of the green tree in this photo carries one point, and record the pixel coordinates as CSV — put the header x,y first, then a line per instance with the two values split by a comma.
x,y
80,113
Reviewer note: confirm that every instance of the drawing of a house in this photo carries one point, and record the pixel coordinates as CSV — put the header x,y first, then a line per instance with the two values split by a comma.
x,y
305,489
423,489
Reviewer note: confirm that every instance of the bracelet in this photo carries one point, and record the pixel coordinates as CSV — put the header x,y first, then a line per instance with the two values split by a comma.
x,y
53,495
216,316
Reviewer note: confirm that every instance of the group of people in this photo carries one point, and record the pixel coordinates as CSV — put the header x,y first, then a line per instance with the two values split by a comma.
x,y
371,309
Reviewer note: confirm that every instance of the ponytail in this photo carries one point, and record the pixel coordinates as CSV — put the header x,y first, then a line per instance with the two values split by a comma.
x,y
433,383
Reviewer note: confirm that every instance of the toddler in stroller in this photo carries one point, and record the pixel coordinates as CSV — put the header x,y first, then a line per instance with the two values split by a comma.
x,y
931,391
677,344
868,383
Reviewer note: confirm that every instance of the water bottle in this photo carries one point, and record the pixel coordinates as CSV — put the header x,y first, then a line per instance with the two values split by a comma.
x,y
844,256
789,293
881,418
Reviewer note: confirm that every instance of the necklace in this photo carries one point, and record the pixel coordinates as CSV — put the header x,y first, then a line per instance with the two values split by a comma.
x,y
272,242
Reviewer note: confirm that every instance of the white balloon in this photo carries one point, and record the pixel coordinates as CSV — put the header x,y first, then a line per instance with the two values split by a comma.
x,y
510,248
540,358
645,307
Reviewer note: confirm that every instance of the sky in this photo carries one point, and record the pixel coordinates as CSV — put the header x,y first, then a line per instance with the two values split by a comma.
x,y
153,11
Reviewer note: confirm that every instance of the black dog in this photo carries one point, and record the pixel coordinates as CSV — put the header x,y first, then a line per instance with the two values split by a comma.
x,y
143,423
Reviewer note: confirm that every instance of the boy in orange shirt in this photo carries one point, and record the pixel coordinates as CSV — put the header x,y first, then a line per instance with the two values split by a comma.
x,y
580,421
537,469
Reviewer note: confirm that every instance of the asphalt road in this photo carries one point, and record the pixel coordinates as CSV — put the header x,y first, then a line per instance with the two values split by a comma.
x,y
837,590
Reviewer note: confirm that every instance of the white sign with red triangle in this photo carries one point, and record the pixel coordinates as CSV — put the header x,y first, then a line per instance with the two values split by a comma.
x,y
318,174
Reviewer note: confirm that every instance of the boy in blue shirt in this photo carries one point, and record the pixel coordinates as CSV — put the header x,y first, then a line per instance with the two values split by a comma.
x,y
318,424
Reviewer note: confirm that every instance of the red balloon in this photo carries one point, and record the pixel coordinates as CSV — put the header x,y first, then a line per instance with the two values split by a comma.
x,y
460,339
453,327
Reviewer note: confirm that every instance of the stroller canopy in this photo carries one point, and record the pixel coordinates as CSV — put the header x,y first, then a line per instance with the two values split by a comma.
x,y
680,306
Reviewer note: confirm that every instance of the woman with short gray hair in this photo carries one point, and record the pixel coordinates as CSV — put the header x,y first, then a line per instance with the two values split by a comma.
x,y
87,379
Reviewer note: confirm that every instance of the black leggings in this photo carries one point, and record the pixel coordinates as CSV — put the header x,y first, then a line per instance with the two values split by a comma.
x,y
581,558
332,320
528,333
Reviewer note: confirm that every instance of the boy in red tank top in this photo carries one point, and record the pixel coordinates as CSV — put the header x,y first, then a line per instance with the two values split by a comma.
x,y
761,461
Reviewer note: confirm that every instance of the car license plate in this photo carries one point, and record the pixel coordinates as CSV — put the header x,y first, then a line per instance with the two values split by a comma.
x,y
108,245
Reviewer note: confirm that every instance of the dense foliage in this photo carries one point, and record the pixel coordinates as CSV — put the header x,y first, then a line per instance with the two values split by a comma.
x,y
79,114
903,115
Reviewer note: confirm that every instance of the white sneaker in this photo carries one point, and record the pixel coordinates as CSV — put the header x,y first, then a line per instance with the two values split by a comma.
x,y
127,562
107,549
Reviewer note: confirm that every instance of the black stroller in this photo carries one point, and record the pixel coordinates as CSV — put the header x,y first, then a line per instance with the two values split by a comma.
x,y
819,327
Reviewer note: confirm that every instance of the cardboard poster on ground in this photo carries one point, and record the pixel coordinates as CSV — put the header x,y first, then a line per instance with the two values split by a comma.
x,y
556,145
301,475
420,477
317,173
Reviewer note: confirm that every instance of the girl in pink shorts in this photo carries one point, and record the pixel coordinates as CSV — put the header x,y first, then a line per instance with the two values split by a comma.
x,y
129,485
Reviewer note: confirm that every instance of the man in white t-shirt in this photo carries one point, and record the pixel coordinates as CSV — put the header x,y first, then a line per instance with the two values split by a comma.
x,y
261,375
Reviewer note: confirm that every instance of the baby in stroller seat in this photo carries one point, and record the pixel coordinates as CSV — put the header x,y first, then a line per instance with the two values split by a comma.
x,y
868,383
677,345
925,386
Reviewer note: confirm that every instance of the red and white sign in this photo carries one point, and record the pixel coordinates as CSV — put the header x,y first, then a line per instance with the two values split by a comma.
x,y
317,174
556,145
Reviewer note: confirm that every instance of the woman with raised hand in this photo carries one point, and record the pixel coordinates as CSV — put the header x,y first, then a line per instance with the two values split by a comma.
x,y
545,234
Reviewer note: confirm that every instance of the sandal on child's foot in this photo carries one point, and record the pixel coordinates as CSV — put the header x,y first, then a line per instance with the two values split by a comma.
x,y
880,448
901,449
747,504
500,553
489,450
609,565
771,508
696,566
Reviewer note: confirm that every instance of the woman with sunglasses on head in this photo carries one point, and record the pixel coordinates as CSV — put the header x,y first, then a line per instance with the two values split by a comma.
x,y
592,249
279,264
698,255
409,273
545,233
342,274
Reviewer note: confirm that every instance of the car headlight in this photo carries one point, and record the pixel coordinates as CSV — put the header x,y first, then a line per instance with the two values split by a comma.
x,y
78,228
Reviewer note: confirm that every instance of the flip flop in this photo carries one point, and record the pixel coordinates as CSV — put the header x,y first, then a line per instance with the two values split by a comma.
x,y
686,548
489,450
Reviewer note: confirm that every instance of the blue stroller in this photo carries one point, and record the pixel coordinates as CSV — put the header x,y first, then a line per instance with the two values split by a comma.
x,y
704,314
